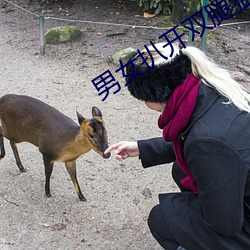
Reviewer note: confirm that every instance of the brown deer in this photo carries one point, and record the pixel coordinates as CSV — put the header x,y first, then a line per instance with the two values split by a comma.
x,y
59,138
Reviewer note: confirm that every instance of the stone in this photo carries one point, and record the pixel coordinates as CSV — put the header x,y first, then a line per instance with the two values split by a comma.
x,y
244,68
124,55
147,193
63,34
239,76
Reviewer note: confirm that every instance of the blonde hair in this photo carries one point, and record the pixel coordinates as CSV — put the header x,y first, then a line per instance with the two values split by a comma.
x,y
208,71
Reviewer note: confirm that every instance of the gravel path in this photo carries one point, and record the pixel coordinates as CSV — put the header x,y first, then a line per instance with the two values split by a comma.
x,y
120,194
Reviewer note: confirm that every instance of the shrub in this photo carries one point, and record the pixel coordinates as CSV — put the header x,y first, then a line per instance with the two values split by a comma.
x,y
165,6
157,6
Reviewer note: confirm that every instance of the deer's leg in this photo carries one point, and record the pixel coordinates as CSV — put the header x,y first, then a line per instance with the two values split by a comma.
x,y
1,144
48,165
71,168
18,161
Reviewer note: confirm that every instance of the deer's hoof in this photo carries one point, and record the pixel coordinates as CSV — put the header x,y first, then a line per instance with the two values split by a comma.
x,y
48,195
82,198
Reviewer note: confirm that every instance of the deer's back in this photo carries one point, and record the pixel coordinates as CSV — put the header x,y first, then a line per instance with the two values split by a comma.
x,y
24,118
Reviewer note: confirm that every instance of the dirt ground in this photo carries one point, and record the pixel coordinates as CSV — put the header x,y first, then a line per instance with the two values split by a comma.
x,y
119,195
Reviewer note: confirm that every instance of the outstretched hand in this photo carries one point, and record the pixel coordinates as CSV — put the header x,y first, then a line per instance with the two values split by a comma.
x,y
124,150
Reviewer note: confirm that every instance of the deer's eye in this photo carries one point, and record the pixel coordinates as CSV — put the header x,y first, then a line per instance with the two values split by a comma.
x,y
91,136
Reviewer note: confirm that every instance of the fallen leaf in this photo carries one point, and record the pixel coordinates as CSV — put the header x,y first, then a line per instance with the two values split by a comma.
x,y
147,15
58,227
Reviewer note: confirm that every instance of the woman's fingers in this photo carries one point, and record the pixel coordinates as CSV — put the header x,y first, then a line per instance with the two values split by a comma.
x,y
124,149
113,147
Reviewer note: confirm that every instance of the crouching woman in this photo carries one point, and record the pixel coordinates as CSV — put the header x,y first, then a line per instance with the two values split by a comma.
x,y
205,120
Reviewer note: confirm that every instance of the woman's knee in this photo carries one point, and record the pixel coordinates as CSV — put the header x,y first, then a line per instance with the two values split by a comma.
x,y
153,218
159,229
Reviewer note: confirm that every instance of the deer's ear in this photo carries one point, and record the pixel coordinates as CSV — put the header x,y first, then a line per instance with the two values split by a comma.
x,y
80,118
96,112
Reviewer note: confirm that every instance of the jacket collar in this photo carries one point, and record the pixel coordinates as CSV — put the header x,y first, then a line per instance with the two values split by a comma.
x,y
205,99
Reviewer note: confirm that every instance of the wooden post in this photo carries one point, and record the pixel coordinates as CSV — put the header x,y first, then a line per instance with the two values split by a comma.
x,y
42,32
2,3
204,37
190,42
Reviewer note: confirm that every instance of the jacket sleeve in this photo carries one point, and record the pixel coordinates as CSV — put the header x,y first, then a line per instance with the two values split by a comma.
x,y
155,151
220,173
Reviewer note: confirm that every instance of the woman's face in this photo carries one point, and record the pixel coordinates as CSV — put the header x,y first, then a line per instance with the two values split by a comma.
x,y
156,106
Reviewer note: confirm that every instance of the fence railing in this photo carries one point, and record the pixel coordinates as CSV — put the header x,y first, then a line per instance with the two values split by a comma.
x,y
42,19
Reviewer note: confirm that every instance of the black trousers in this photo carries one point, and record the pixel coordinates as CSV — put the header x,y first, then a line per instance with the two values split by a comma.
x,y
179,221
156,222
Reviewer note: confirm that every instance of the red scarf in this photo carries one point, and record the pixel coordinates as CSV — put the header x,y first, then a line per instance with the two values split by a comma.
x,y
174,119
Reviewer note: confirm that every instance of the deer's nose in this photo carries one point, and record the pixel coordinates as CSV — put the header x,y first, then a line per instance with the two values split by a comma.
x,y
106,156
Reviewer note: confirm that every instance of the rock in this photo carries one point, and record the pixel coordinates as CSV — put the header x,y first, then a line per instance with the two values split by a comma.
x,y
124,55
136,201
45,225
244,68
147,193
239,76
62,34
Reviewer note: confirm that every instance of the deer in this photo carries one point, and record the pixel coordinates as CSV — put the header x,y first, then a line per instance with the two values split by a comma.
x,y
58,137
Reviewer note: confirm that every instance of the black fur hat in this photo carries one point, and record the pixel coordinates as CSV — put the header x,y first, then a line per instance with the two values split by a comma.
x,y
159,83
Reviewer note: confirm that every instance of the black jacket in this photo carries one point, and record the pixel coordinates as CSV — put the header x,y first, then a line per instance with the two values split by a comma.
x,y
216,145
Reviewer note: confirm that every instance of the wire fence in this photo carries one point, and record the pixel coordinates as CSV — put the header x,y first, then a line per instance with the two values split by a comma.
x,y
42,19
86,21
110,24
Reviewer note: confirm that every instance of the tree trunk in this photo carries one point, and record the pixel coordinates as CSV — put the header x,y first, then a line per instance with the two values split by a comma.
x,y
182,9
